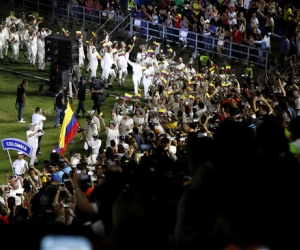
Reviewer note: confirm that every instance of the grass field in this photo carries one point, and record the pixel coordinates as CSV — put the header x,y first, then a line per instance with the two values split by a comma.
x,y
10,128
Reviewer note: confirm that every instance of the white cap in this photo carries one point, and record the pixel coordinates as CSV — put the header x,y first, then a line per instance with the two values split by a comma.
x,y
20,153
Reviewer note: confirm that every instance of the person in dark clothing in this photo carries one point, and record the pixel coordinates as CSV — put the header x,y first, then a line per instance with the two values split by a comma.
x,y
21,99
59,104
80,94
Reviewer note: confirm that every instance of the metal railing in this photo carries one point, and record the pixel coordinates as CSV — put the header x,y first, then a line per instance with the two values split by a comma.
x,y
200,43
277,67
57,9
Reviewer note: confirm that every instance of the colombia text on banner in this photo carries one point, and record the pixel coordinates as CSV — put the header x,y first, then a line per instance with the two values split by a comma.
x,y
68,130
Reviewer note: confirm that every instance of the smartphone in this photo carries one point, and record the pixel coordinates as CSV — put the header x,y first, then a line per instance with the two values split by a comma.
x,y
182,139
140,155
172,138
195,120
65,180
63,242
62,184
91,168
199,135
78,171
145,146
19,194
84,178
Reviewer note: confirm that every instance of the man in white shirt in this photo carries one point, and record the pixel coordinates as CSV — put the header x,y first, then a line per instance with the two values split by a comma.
x,y
95,144
21,28
20,165
16,191
95,119
122,67
126,125
137,74
38,118
90,129
32,139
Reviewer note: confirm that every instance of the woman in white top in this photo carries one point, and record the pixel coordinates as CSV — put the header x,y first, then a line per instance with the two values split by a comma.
x,y
111,132
117,117
138,120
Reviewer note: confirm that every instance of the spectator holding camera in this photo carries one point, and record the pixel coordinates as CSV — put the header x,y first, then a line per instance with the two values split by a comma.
x,y
32,139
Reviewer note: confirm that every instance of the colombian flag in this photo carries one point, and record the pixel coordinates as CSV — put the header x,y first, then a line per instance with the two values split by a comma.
x,y
224,85
68,130
127,96
78,34
137,96
155,44
164,72
161,111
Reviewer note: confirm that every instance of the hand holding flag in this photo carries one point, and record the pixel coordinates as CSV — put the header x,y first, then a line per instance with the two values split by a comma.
x,y
68,130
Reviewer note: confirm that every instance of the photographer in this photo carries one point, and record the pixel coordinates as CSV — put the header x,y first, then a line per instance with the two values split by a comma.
x,y
32,139
80,95
90,129
96,91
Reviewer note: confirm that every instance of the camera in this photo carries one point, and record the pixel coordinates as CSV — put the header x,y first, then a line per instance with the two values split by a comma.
x,y
101,84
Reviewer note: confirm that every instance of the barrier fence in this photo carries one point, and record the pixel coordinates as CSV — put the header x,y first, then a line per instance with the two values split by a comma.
x,y
199,42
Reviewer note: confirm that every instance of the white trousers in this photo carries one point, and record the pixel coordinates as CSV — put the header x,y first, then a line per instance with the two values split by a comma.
x,y
41,58
146,83
136,82
33,155
123,74
15,51
33,50
113,76
28,52
106,71
93,72
1,50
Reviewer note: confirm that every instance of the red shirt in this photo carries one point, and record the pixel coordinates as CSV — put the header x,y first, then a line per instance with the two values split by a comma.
x,y
237,36
177,24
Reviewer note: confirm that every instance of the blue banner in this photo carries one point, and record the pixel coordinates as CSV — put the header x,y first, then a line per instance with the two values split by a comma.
x,y
16,144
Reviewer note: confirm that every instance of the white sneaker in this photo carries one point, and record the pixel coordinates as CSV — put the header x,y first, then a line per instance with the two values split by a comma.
x,y
22,121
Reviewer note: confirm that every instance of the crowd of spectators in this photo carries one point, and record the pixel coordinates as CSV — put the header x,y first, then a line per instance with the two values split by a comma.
x,y
249,23
177,174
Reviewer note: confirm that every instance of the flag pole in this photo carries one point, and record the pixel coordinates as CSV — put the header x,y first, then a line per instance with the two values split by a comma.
x,y
10,160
